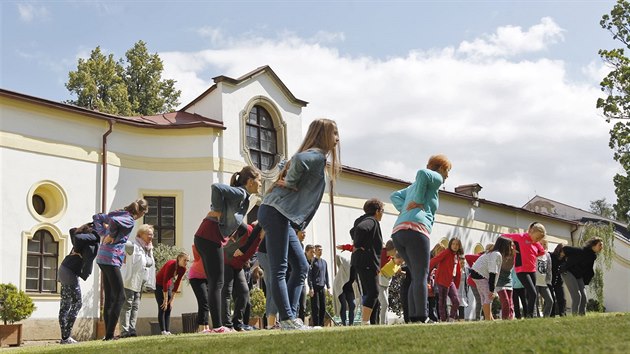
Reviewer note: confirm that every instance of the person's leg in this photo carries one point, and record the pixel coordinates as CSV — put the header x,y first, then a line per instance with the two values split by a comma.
x,y
212,258
486,300
116,293
64,308
322,306
270,306
583,298
442,293
241,298
125,313
561,301
433,308
417,249
382,299
299,270
370,293
200,289
547,300
477,308
351,305
342,308
529,280
226,296
314,309
159,298
276,228
167,313
505,305
573,287
452,294
133,316
404,297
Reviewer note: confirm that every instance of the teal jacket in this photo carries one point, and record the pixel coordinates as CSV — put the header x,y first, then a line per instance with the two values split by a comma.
x,y
423,191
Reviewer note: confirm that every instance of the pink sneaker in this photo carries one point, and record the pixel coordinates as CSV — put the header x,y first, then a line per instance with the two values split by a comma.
x,y
207,331
222,329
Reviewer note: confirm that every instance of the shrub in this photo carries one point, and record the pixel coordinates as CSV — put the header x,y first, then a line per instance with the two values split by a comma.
x,y
257,298
14,305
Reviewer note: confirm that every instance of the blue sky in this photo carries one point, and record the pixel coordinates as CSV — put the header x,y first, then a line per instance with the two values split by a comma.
x,y
506,88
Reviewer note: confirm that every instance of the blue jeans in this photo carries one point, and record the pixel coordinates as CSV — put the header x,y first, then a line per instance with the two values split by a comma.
x,y
270,305
414,248
283,248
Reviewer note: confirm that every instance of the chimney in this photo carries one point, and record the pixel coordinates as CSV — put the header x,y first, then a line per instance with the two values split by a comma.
x,y
471,190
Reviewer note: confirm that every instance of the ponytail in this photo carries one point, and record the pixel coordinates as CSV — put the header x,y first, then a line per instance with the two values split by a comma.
x,y
240,178
137,207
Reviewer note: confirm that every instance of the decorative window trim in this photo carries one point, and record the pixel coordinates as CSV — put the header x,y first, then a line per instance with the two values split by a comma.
x,y
59,237
54,197
279,125
179,210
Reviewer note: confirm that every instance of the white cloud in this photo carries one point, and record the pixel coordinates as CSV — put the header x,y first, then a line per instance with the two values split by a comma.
x,y
516,127
29,12
512,40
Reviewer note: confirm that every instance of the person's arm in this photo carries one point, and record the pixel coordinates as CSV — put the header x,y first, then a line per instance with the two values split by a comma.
x,y
548,277
398,199
298,167
222,194
540,251
458,274
346,247
419,189
435,261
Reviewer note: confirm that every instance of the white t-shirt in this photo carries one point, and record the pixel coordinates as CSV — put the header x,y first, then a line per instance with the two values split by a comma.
x,y
488,263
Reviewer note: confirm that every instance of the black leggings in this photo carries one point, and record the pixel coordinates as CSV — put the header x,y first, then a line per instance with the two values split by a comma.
x,y
212,258
529,282
114,297
200,288
346,298
164,316
369,279
518,298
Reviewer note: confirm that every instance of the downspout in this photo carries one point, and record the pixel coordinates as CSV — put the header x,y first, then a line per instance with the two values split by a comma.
x,y
104,167
100,327
332,223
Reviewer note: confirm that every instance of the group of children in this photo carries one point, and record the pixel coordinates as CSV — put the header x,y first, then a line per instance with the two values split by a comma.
x,y
224,243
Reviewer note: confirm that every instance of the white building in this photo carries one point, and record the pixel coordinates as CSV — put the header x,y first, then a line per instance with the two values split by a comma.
x,y
60,164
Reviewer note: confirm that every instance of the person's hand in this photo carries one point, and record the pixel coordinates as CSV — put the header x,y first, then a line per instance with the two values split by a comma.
x,y
492,295
311,293
414,205
214,214
170,303
281,183
164,304
238,253
108,240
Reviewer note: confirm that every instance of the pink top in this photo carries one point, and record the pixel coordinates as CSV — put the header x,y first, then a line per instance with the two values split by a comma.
x,y
526,252
196,270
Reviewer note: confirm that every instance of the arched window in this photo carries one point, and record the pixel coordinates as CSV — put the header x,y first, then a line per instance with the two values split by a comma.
x,y
262,139
42,262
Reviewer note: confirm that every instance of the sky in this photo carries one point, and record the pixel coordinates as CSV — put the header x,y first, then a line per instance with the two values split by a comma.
x,y
506,89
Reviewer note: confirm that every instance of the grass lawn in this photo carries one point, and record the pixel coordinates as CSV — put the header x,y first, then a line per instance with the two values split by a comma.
x,y
600,333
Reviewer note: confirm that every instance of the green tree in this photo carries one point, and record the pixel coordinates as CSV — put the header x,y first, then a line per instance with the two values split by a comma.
x,y
616,106
132,86
602,208
98,85
148,94
605,231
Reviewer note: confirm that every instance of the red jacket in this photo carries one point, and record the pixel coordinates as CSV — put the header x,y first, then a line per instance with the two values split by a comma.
x,y
165,276
445,261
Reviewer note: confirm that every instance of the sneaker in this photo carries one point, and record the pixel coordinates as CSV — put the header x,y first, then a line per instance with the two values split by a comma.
x,y
427,321
68,340
222,329
166,333
206,331
294,324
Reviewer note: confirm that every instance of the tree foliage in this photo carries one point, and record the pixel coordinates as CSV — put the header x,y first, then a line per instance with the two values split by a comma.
x,y
616,106
605,231
602,208
130,86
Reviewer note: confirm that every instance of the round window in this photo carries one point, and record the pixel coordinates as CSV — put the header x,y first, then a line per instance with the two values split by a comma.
x,y
47,201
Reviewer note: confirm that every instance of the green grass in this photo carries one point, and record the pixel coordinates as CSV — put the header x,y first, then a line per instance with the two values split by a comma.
x,y
601,333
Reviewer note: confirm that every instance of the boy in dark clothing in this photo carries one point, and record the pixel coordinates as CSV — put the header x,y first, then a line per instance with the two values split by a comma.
x,y
317,280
